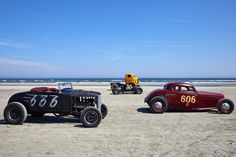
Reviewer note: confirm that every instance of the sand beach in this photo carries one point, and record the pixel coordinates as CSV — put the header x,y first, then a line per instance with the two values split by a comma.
x,y
129,129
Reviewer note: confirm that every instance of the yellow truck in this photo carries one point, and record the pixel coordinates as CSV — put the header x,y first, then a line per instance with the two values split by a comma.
x,y
130,78
131,85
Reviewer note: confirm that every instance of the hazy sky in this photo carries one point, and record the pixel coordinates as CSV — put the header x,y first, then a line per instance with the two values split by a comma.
x,y
106,38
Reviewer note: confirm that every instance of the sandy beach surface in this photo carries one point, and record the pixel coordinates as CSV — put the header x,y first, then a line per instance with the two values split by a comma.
x,y
128,130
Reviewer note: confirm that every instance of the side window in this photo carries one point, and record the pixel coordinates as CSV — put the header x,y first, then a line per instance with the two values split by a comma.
x,y
190,89
176,88
129,76
184,88
187,89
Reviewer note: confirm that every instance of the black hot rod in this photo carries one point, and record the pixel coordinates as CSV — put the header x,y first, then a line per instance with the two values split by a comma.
x,y
64,101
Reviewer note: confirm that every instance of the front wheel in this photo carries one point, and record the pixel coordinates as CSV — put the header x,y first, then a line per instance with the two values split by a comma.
x,y
91,117
115,91
104,111
15,113
158,104
225,106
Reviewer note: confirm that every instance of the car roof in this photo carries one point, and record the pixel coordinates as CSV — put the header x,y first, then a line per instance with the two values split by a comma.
x,y
179,84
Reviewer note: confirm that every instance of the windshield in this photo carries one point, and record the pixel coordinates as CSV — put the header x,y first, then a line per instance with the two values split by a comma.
x,y
62,86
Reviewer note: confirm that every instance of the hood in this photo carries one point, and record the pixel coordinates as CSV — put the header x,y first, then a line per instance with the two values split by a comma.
x,y
210,94
84,92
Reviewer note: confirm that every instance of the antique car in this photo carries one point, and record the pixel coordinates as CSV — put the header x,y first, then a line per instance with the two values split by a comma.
x,y
63,101
184,96
131,85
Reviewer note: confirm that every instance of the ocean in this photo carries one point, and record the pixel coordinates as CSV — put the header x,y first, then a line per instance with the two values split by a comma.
x,y
108,80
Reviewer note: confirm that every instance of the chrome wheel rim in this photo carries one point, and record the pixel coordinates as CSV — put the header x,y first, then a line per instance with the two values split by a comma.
x,y
158,105
225,106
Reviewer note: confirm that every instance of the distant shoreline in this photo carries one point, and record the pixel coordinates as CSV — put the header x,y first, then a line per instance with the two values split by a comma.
x,y
107,81
199,84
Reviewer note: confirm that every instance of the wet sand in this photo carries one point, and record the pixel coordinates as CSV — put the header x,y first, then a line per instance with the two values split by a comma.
x,y
129,129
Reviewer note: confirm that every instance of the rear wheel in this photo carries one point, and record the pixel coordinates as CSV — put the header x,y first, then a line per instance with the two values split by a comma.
x,y
115,91
91,117
114,86
225,106
104,111
138,90
15,113
158,104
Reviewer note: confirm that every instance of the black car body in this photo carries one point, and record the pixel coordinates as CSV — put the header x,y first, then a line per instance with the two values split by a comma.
x,y
63,101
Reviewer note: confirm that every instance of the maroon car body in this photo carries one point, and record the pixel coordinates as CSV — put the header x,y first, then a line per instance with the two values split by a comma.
x,y
184,96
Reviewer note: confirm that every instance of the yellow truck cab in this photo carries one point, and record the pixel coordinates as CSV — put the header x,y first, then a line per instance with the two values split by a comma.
x,y
130,78
131,85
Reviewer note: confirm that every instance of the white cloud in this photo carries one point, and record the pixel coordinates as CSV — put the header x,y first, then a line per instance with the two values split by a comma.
x,y
17,62
10,43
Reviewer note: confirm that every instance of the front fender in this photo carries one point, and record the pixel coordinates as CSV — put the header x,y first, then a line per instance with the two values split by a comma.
x,y
19,97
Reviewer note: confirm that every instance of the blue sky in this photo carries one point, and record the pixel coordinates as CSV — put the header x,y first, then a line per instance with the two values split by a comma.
x,y
107,38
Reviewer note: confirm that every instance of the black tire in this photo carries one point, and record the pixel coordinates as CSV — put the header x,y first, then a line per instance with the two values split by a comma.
x,y
37,114
91,117
104,111
158,104
138,90
114,86
115,91
225,106
15,113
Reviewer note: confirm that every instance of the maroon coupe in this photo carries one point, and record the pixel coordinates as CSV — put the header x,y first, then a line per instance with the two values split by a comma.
x,y
183,96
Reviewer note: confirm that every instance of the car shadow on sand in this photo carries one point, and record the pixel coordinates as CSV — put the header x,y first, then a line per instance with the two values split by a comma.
x,y
47,119
148,111
2,122
52,119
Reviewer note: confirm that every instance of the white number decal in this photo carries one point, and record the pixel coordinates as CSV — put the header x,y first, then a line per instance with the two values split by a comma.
x,y
43,101
33,100
188,99
54,101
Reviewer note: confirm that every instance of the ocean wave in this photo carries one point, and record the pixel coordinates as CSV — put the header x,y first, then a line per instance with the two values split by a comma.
x,y
116,80
108,80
